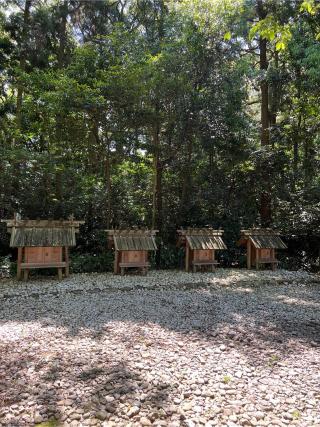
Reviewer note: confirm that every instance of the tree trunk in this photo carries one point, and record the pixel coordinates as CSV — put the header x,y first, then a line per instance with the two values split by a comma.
x,y
157,187
22,62
308,161
274,97
296,143
297,132
187,175
63,34
108,185
187,183
60,120
265,198
157,181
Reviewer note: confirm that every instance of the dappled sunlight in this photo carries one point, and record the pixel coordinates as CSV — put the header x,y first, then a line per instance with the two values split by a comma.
x,y
105,347
298,301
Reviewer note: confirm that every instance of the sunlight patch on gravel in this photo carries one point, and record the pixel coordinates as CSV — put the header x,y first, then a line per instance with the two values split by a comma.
x,y
234,348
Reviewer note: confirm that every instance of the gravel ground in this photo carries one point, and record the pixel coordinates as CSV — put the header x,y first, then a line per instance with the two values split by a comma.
x,y
230,348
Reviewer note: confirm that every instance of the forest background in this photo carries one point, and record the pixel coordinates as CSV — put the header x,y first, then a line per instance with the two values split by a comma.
x,y
162,114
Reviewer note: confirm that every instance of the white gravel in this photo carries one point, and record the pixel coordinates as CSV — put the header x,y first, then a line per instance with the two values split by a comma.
x,y
230,348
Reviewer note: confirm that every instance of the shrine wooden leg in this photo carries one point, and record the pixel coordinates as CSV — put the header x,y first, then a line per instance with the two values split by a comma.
x,y
213,267
67,272
187,258
122,271
19,260
274,265
248,254
116,263
25,274
60,273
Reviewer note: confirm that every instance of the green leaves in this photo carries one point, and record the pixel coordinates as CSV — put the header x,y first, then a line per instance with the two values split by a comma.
x,y
309,6
272,31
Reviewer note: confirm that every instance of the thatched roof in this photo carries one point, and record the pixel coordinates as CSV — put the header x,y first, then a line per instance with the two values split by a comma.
x,y
25,233
132,240
262,238
202,238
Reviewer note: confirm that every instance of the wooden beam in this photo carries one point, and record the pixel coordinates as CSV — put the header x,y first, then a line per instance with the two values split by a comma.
x,y
248,254
66,254
19,261
116,262
187,257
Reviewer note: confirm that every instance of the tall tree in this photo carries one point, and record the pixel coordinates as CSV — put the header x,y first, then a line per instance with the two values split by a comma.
x,y
22,60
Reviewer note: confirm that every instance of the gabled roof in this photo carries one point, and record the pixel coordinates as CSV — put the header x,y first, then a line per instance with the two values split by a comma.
x,y
42,232
132,240
202,238
42,237
262,238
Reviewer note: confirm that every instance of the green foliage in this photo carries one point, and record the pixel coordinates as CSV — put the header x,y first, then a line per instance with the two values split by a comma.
x,y
90,262
168,90
6,267
296,414
309,6
226,379
273,360
271,30
171,256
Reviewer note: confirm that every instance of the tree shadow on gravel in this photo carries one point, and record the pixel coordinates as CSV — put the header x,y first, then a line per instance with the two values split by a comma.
x,y
249,318
64,388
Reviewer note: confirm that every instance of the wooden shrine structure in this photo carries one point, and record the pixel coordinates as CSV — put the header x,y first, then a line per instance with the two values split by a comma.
x,y
201,245
261,245
42,243
131,248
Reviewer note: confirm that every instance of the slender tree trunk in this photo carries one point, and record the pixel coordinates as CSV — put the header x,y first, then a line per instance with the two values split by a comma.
x,y
308,161
59,116
157,187
187,175
108,185
157,180
265,198
265,135
63,34
274,97
156,143
296,143
22,61
187,181
297,133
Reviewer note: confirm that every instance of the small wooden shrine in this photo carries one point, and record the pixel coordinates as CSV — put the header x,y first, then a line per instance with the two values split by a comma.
x,y
42,243
261,245
201,245
132,248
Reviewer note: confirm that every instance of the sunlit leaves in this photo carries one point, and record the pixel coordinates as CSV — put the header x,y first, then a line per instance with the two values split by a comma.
x,y
309,6
271,30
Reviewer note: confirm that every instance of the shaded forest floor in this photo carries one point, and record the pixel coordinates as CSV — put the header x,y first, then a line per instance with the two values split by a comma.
x,y
170,349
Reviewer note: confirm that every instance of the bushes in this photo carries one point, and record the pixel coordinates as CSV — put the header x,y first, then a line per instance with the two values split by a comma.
x,y
6,266
89,263
171,256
